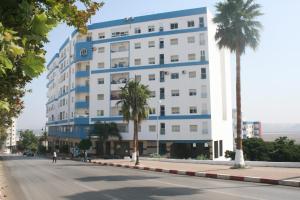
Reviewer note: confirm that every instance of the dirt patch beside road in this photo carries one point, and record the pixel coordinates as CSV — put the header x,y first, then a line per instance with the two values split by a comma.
x,y
3,183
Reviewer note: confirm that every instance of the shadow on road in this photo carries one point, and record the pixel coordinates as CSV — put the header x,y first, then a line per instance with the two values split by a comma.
x,y
113,178
135,193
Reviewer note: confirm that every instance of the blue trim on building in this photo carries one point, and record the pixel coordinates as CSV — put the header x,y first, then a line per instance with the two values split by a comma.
x,y
64,44
145,18
53,58
184,141
170,65
81,104
60,96
81,120
167,117
81,74
83,45
50,82
82,89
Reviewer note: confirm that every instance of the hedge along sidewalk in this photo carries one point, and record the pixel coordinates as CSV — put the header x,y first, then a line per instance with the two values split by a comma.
x,y
269,175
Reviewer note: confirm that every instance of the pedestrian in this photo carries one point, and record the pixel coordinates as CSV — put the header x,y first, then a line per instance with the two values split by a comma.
x,y
54,157
85,156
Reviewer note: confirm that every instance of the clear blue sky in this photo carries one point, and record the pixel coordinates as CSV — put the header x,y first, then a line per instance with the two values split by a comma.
x,y
270,75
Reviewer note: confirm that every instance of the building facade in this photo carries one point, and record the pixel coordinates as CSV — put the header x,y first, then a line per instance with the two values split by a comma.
x,y
252,129
175,54
11,140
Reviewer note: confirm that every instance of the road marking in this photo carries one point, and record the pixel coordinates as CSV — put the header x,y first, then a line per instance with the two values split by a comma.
x,y
226,193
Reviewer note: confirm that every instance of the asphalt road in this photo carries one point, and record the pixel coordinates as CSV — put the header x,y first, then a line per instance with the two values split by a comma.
x,y
40,179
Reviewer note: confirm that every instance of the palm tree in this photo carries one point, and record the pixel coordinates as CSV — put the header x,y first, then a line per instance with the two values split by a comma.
x,y
104,131
238,28
134,98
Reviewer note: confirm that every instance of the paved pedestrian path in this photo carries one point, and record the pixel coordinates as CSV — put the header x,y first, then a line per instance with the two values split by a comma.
x,y
258,174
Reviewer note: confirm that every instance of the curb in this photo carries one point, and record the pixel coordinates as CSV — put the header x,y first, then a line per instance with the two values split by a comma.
x,y
208,175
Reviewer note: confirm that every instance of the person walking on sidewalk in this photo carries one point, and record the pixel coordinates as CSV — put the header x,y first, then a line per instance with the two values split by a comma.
x,y
54,157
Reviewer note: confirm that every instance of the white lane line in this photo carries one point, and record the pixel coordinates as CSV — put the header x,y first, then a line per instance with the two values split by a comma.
x,y
220,192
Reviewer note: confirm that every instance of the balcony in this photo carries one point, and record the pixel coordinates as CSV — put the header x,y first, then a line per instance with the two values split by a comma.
x,y
82,89
115,95
119,78
81,74
81,120
120,62
119,47
81,104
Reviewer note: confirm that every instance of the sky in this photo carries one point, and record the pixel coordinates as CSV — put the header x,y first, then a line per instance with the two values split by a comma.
x,y
270,75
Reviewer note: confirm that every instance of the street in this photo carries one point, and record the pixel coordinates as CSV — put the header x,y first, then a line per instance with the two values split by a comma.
x,y
39,178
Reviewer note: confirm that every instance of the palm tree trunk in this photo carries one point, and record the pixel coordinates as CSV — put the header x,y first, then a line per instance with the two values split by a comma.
x,y
136,142
239,157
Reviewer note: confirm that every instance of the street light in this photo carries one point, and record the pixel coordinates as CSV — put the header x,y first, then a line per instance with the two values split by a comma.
x,y
157,130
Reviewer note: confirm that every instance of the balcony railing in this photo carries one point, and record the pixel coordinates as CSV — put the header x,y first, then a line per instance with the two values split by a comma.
x,y
82,104
82,89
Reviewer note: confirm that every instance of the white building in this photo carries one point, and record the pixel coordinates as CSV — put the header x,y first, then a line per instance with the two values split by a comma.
x,y
11,140
175,54
252,129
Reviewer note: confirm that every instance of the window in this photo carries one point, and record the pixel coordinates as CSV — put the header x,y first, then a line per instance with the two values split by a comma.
x,y
123,128
151,44
151,61
83,52
174,75
193,92
151,77
162,93
203,73
101,35
191,39
204,127
161,43
137,30
174,58
118,34
100,81
201,22
174,93
151,28
192,56
193,128
174,26
161,59
221,147
191,23
100,96
175,128
202,55
161,28
162,110
101,49
202,39
137,45
152,128
152,94
204,108
137,61
138,78
174,41
100,65
193,109
100,112
162,128
192,74
175,110
152,111
203,91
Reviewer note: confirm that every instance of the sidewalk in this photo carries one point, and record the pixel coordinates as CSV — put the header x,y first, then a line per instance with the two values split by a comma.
x,y
270,175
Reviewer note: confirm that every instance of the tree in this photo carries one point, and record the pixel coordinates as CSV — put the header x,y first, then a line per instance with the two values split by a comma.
x,y
24,25
105,130
28,141
256,149
238,28
85,144
134,98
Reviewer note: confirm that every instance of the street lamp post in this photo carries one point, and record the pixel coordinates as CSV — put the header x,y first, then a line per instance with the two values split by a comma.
x,y
157,129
